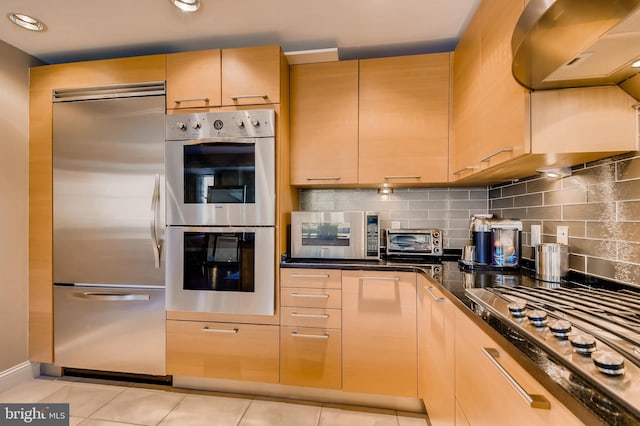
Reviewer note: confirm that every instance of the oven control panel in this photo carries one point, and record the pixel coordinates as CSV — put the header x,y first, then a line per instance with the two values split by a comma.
x,y
237,124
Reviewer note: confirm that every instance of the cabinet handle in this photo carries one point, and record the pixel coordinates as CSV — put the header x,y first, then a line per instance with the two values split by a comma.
x,y
313,296
380,278
500,151
324,178
295,314
310,275
235,98
403,177
220,330
310,336
464,169
534,401
179,101
433,296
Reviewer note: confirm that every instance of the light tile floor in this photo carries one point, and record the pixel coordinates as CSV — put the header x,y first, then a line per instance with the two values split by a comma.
x,y
98,404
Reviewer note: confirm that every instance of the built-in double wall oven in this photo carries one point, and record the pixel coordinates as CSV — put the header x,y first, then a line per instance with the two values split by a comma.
x,y
220,184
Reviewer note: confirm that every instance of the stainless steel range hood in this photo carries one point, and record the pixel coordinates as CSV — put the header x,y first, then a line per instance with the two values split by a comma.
x,y
574,43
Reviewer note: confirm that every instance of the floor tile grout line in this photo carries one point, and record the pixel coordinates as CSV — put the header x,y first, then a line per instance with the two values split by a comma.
x,y
244,413
183,397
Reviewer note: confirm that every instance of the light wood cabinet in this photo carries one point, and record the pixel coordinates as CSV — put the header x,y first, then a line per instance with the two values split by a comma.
x,y
310,357
193,79
252,75
502,131
436,353
379,353
310,332
485,393
404,119
223,350
324,123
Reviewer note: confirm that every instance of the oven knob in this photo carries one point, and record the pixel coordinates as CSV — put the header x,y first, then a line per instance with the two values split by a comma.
x,y
255,123
560,328
583,344
538,318
240,124
196,125
180,125
609,363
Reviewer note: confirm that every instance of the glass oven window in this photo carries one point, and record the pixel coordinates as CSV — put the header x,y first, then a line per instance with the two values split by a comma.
x,y
326,234
219,261
220,173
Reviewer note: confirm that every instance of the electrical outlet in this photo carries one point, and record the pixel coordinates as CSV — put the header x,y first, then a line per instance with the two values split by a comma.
x,y
562,236
536,235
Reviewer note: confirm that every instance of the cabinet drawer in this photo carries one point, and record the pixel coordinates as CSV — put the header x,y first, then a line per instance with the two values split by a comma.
x,y
223,350
311,317
311,278
311,357
311,298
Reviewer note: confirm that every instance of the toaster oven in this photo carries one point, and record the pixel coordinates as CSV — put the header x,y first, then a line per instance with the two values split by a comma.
x,y
414,242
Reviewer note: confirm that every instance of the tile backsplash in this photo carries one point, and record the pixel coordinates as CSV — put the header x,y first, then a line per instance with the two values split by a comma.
x,y
599,202
449,209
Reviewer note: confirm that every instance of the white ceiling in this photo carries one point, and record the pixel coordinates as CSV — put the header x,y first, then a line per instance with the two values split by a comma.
x,y
93,29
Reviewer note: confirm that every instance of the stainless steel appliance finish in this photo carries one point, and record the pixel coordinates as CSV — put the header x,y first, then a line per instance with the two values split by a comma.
x,y
221,168
572,43
414,242
211,270
552,261
108,228
335,235
572,323
110,328
505,242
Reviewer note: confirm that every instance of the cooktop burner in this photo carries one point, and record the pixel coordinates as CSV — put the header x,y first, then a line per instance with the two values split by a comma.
x,y
594,332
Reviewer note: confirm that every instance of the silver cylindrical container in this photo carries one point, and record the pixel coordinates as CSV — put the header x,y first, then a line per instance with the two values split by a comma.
x,y
552,261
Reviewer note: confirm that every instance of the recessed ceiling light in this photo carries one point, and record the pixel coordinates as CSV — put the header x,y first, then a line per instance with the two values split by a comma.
x,y
186,5
27,22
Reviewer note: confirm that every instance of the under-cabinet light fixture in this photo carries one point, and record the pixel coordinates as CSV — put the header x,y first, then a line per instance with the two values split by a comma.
x,y
27,22
635,64
186,5
385,189
555,172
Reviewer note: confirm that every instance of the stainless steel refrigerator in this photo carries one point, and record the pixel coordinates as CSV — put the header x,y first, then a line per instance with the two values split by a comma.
x,y
108,228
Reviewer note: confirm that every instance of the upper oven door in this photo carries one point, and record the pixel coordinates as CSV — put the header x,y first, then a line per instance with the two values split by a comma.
x,y
221,181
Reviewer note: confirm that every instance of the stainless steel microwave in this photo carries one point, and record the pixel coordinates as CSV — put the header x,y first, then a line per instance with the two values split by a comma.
x,y
335,235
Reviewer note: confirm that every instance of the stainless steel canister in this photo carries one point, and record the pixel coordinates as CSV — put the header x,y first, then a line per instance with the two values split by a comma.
x,y
552,261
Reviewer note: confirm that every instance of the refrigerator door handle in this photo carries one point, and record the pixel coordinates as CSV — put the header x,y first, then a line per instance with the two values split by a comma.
x,y
155,203
111,297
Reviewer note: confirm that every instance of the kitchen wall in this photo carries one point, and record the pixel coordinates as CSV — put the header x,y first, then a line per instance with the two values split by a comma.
x,y
599,202
449,209
14,206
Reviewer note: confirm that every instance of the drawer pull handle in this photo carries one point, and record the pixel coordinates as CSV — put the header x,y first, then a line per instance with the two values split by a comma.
x,y
310,336
235,98
464,169
220,330
534,401
403,177
179,101
500,151
112,297
380,278
311,296
310,275
296,314
433,296
324,178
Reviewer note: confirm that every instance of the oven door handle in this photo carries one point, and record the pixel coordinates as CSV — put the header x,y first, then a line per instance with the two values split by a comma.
x,y
534,401
221,139
155,203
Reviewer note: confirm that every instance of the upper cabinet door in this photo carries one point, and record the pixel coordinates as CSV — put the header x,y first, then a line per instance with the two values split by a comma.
x,y
324,123
251,75
193,79
404,119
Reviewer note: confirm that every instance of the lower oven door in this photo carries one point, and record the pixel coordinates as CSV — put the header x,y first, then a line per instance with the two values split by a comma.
x,y
221,269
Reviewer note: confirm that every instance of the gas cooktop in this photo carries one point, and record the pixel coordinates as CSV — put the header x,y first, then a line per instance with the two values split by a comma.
x,y
594,332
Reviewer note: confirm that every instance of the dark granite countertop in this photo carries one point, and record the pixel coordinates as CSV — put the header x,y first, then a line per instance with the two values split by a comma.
x,y
589,404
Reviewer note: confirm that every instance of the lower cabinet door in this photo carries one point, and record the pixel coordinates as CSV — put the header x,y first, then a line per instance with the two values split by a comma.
x,y
491,386
223,350
310,357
